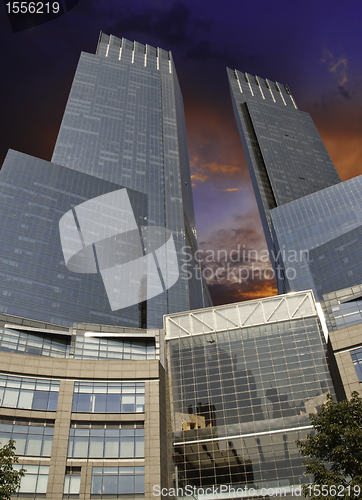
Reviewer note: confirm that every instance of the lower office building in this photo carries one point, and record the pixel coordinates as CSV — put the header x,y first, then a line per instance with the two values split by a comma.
x,y
86,407
343,311
91,407
244,379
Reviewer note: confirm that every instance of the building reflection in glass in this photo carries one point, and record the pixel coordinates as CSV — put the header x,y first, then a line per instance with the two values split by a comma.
x,y
241,398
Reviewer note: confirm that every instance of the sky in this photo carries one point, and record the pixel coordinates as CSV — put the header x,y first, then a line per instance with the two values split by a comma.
x,y
314,46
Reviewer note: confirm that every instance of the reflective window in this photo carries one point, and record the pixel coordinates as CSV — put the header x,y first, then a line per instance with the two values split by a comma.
x,y
58,346
72,481
35,479
357,361
29,393
97,348
260,381
31,439
36,344
107,441
111,397
118,481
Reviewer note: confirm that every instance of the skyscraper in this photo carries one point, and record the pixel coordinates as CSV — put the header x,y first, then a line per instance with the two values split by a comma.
x,y
100,233
92,247
285,154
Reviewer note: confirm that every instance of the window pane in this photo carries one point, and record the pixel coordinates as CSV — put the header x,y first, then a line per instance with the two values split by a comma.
x,y
40,400
28,483
127,447
111,448
20,441
110,485
11,397
96,447
34,446
66,485
74,485
96,487
139,484
42,484
26,399
84,403
100,403
47,446
125,484
140,447
80,447
75,401
53,401
128,404
113,403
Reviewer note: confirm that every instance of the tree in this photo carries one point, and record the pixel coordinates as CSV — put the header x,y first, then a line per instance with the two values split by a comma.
x,y
9,477
335,451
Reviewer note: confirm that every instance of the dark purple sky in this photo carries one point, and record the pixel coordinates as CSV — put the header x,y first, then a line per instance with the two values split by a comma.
x,y
314,46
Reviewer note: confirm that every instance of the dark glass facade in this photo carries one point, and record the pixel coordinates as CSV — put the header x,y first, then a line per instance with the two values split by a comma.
x,y
242,394
319,238
124,123
100,234
285,154
35,282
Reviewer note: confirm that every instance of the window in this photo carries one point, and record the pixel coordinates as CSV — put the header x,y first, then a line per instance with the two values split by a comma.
x,y
103,348
29,393
107,440
357,362
111,397
35,479
118,481
72,481
31,438
36,344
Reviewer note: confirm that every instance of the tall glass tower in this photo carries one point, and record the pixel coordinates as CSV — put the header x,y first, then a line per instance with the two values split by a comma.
x,y
286,157
105,232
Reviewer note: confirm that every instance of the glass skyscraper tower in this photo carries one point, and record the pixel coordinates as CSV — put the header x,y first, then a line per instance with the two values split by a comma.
x,y
286,157
100,234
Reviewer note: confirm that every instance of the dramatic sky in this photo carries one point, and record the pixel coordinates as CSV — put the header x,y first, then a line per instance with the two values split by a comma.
x,y
315,46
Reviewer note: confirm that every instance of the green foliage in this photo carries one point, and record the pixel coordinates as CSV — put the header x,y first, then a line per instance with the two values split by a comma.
x,y
9,478
335,451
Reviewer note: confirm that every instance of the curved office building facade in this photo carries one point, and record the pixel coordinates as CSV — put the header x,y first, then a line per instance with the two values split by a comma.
x,y
86,409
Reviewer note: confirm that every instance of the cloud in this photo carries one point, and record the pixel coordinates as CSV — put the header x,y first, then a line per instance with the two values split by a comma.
x,y
172,27
337,66
203,171
230,293
235,262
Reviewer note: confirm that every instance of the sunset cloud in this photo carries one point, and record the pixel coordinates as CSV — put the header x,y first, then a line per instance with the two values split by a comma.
x,y
338,66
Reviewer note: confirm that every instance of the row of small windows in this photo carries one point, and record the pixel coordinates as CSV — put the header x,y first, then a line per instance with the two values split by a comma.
x,y
109,441
27,393
85,441
85,348
118,481
121,397
35,479
31,439
97,397
115,481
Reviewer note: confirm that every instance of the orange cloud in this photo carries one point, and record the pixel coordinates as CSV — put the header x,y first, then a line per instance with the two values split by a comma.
x,y
340,127
215,148
337,66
